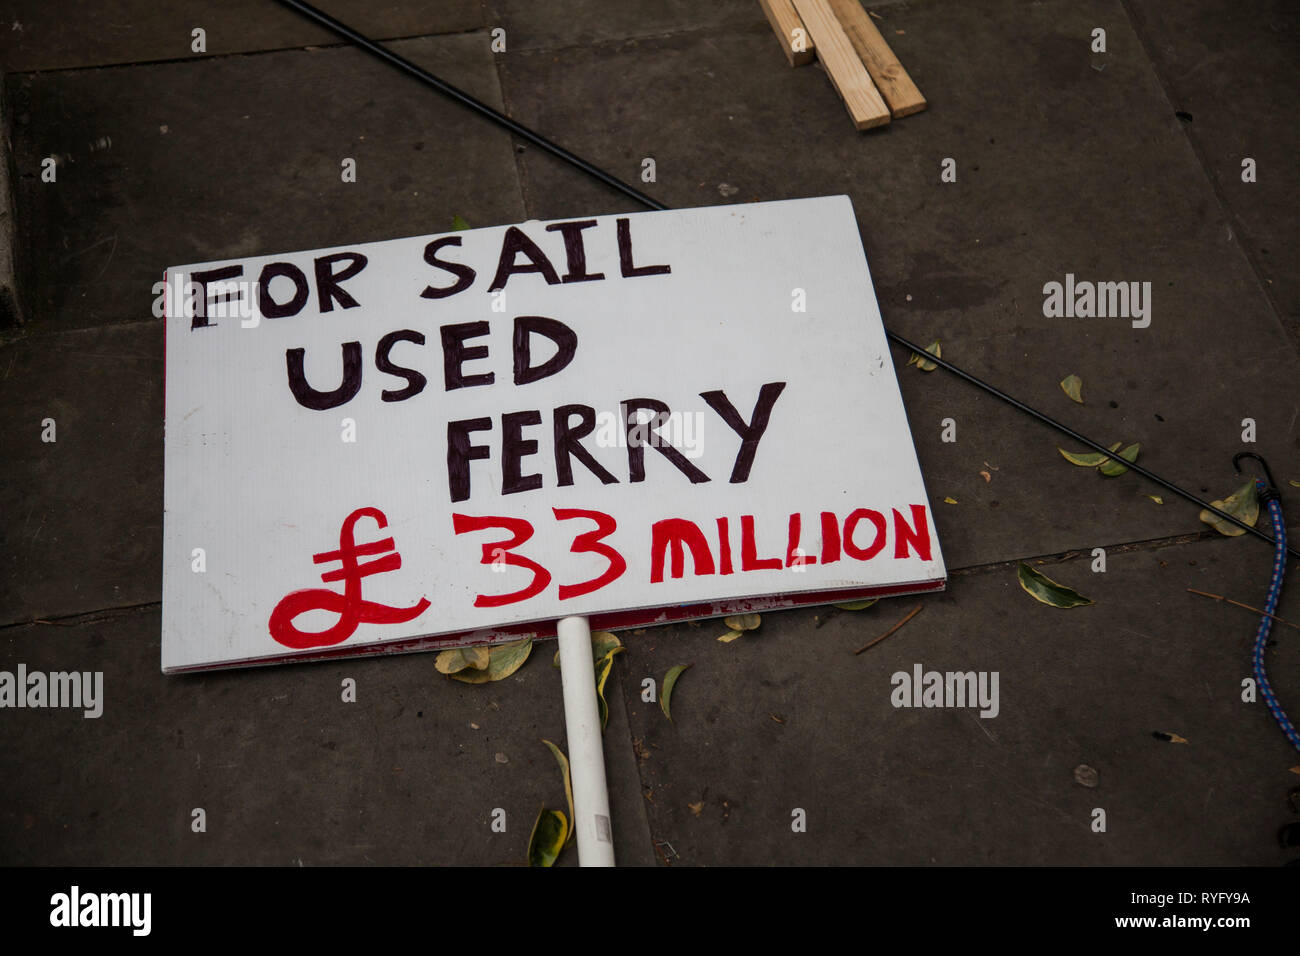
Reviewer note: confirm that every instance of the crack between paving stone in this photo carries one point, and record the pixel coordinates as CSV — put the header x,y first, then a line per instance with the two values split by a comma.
x,y
1060,557
1240,233
309,47
35,331
85,617
517,148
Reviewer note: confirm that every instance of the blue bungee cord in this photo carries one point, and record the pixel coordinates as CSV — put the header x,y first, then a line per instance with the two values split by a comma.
x,y
1269,497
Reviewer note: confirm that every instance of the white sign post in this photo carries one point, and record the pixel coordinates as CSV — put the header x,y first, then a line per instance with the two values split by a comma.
x,y
466,437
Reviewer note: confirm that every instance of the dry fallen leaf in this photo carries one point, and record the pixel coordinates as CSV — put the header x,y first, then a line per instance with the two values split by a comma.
x,y
696,808
1112,467
857,605
1242,504
670,681
924,364
950,501
986,476
1044,589
1085,776
1090,459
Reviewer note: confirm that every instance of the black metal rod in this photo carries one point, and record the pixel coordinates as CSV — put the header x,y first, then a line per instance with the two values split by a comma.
x,y
460,96
1082,439
596,172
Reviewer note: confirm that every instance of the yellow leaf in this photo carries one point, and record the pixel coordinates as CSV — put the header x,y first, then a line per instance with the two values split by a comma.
x,y
1242,504
1089,459
503,660
459,658
924,364
730,636
1072,385
743,622
950,501
550,831
670,681
602,643
857,605
1113,468
603,667
563,761
1044,589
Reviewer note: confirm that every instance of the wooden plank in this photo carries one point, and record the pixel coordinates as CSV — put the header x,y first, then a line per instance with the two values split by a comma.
x,y
780,13
891,79
835,50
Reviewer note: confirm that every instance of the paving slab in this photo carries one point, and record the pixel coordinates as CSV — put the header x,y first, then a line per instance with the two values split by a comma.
x,y
177,163
37,35
286,772
81,456
1067,163
568,23
1231,70
788,718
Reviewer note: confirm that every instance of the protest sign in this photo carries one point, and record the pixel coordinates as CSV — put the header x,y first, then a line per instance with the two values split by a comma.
x,y
463,437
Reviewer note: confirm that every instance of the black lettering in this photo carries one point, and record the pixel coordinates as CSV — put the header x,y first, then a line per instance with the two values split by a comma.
x,y
276,310
309,397
515,447
751,433
625,255
638,433
575,252
455,355
566,344
568,445
200,320
328,288
463,273
514,243
460,453
415,381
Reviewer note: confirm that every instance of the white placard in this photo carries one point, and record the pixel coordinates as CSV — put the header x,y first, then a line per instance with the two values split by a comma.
x,y
458,438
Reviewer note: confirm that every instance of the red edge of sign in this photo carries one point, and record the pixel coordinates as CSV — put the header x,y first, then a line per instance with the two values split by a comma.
x,y
614,621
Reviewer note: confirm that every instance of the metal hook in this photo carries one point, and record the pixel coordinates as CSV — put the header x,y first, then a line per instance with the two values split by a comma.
x,y
1236,463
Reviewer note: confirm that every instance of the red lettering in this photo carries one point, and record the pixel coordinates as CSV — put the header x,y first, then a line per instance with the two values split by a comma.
x,y
793,553
851,522
830,537
520,531
904,535
591,542
724,547
674,532
749,559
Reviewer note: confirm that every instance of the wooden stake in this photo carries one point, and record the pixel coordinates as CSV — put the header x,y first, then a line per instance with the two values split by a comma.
x,y
780,13
842,64
891,79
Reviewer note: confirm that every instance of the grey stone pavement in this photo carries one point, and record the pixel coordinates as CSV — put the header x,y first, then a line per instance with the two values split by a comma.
x,y
1117,166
